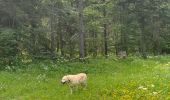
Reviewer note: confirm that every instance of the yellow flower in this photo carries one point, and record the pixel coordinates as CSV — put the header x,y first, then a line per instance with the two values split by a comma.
x,y
114,95
126,97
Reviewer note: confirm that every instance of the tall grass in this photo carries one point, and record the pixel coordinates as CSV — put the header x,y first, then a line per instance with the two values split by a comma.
x,y
108,79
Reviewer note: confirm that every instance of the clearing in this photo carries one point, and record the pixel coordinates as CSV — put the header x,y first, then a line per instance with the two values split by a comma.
x,y
108,79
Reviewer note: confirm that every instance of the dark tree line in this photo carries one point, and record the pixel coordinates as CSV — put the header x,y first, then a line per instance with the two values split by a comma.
x,y
80,28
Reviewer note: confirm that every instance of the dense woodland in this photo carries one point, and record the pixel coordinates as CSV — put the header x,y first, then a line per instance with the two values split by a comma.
x,y
50,29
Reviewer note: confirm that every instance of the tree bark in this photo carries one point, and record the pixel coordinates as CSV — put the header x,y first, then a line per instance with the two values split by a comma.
x,y
81,29
61,43
156,35
142,37
53,40
105,32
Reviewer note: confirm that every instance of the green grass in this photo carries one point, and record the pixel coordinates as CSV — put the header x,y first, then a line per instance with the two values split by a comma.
x,y
108,79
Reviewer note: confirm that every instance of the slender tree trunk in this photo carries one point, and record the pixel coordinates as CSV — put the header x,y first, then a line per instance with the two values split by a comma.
x,y
142,23
105,32
71,49
124,23
61,44
94,44
105,41
53,40
81,29
33,38
156,35
58,36
58,43
142,37
71,45
13,22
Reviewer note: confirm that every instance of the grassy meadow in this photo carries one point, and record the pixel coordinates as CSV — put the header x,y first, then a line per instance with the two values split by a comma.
x,y
108,79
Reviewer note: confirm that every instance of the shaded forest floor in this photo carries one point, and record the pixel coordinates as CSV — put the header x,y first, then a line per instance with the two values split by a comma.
x,y
108,79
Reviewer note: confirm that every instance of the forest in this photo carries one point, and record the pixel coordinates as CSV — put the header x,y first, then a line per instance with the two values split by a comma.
x,y
124,41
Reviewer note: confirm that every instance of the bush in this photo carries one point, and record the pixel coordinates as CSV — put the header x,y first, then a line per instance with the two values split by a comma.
x,y
8,46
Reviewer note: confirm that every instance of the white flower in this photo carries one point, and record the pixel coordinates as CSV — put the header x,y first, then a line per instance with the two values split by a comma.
x,y
152,85
155,93
140,87
166,64
144,88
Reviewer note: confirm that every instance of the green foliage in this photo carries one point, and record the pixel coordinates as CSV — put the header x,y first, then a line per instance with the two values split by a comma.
x,y
8,46
49,28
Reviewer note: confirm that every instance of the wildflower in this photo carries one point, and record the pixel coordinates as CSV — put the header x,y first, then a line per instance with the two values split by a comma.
x,y
140,87
113,95
152,85
155,93
144,88
166,64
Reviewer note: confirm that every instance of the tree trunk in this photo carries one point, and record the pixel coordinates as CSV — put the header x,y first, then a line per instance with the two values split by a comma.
x,y
142,23
142,37
156,35
58,35
53,40
61,44
81,29
105,32
94,44
123,30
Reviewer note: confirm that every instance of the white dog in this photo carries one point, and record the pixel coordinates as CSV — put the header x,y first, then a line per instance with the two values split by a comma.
x,y
75,80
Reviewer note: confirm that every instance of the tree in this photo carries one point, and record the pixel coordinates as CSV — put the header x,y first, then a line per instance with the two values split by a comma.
x,y
81,26
105,30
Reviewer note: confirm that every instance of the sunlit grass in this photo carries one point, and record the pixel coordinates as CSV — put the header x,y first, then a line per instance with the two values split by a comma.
x,y
108,79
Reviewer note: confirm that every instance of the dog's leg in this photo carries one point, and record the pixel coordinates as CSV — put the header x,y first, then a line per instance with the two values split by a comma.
x,y
76,87
71,89
84,85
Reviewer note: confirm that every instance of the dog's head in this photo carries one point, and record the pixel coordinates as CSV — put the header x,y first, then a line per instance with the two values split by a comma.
x,y
64,80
